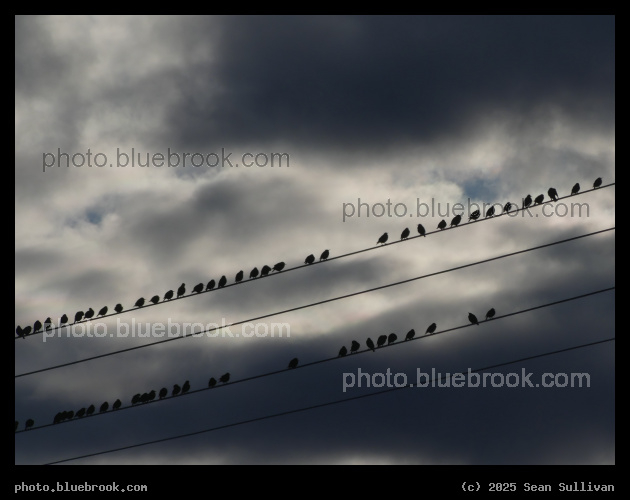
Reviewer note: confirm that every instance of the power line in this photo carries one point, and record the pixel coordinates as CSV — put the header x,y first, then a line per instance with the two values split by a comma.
x,y
304,365
193,294
315,303
321,405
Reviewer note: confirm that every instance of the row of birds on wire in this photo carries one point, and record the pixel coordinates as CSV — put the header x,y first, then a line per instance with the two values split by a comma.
x,y
81,316
177,390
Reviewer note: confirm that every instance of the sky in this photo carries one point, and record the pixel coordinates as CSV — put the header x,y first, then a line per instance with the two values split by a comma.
x,y
292,134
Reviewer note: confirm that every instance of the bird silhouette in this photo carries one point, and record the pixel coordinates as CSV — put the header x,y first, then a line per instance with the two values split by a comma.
x,y
324,255
239,276
370,344
181,290
144,398
19,332
253,273
29,423
64,319
475,215
59,417
392,338
198,288
473,319
456,220
26,331
343,351
37,326
169,295
81,413
176,390
265,270
103,311
225,377
410,334
185,387
422,231
90,410
104,407
310,259
527,201
507,207
278,267
354,347
539,199
155,299
151,395
78,316
405,234
576,188
380,342
382,239
222,281
490,314
212,382
597,183
69,414
139,302
136,399
210,285
119,307
553,194
442,224
293,363
89,313
431,328
490,212
163,392
116,404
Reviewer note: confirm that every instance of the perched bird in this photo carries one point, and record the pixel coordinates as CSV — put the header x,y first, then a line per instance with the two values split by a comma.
x,y
212,382
29,423
81,413
442,224
119,307
155,299
225,377
103,311
539,199
382,239
78,316
104,407
152,395
310,259
421,230
278,267
135,399
490,314
59,417
19,332
47,323
392,338
253,273
553,194
64,319
139,302
293,363
176,390
210,285
144,398
117,404
576,188
380,342
507,207
410,334
181,290
169,295
597,183
456,220
527,201
198,288
490,212
473,319
342,352
185,387
239,276
222,281
69,414
370,344
90,410
265,270
354,347
37,326
405,234
324,255
431,328
475,215
26,331
89,313
163,392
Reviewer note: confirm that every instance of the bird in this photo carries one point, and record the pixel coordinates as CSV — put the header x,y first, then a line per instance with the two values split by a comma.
x,y
119,307
527,201
442,224
81,413
370,344
139,302
392,338
37,326
278,267
89,313
198,288
456,220
155,299
293,363
354,347
135,399
343,351
222,281
239,276
210,285
576,188
597,183
29,423
163,392
78,316
475,215
64,319
186,387
490,212
19,332
324,255
380,342
181,290
421,230
310,259
69,414
212,382
90,410
405,234
117,404
104,407
382,239
539,199
176,390
225,377
253,273
144,398
265,270
490,314
473,319
152,395
410,334
507,207
169,295
553,194
103,311
431,328
26,331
